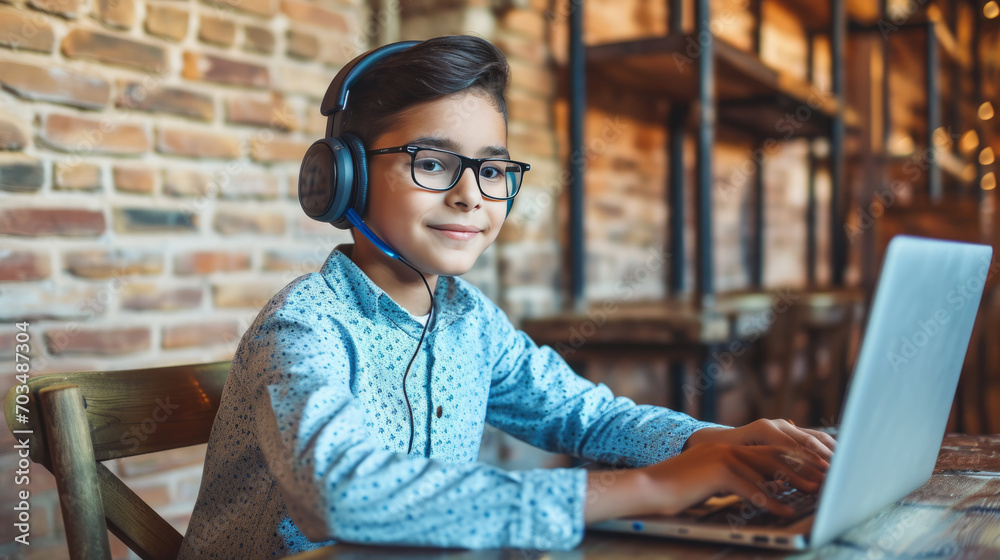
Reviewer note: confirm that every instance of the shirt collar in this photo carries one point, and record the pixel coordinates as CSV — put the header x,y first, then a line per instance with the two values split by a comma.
x,y
349,283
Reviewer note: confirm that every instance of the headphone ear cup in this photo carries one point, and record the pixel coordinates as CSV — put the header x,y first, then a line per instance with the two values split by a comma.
x,y
325,180
360,187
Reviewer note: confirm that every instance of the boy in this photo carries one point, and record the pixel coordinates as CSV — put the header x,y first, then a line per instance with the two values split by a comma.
x,y
331,426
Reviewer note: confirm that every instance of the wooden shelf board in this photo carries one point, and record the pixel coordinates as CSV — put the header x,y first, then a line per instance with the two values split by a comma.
x,y
914,39
749,94
815,14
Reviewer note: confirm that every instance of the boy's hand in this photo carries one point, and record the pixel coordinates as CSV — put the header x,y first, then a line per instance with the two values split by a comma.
x,y
782,433
754,472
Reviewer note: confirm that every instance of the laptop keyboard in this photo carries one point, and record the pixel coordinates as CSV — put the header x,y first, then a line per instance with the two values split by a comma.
x,y
739,513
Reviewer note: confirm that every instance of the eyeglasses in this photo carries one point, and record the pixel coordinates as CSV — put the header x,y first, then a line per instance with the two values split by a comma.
x,y
439,170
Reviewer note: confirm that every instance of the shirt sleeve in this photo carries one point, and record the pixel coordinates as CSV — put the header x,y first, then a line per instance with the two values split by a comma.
x,y
536,397
339,483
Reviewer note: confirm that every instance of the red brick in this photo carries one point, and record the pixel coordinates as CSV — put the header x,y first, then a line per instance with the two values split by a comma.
x,y
232,222
162,461
531,78
259,7
13,132
82,136
55,85
538,143
308,227
530,109
147,297
48,300
197,144
112,264
155,495
252,185
186,182
300,261
174,101
200,334
217,30
116,13
216,69
301,45
526,22
296,79
25,30
21,266
113,49
337,50
524,48
166,21
103,342
37,222
67,8
141,180
118,548
307,12
207,262
186,490
79,176
244,295
150,220
277,149
23,174
315,122
258,39
271,112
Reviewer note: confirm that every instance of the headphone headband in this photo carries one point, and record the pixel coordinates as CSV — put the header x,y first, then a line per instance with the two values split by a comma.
x,y
335,100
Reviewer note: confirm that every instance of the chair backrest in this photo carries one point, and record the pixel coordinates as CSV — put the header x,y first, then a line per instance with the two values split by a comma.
x,y
73,421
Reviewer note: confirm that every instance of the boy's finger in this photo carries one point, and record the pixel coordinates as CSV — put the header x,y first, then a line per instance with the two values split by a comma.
x,y
749,485
807,439
799,451
825,438
773,466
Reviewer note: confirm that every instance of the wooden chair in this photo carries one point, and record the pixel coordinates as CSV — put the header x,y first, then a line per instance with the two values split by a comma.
x,y
77,420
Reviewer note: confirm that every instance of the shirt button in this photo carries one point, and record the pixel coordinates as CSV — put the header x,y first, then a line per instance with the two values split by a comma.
x,y
439,412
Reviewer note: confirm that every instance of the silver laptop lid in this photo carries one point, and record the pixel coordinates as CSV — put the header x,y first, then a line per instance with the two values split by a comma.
x,y
905,378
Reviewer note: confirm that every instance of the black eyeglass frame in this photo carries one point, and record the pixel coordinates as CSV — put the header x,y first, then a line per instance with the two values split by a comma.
x,y
476,164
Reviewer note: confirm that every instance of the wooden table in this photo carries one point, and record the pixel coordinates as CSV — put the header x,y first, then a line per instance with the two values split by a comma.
x,y
955,515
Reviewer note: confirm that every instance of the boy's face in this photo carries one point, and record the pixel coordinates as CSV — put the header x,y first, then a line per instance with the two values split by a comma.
x,y
421,224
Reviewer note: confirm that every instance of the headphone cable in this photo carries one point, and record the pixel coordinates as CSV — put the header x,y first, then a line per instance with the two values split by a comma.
x,y
430,317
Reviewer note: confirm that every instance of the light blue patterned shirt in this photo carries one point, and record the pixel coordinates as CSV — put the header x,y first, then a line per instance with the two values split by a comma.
x,y
309,445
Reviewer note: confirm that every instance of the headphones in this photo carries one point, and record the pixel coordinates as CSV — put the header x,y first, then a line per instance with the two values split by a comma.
x,y
333,178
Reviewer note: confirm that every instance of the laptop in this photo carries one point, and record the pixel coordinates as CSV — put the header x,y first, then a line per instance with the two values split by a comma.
x,y
895,413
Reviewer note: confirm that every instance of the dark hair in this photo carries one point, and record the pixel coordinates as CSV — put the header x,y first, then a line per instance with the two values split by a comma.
x,y
430,70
